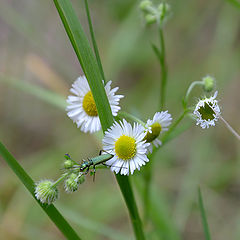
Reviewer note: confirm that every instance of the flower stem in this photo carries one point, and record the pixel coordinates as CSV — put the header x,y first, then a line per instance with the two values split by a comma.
x,y
192,85
148,172
165,137
129,116
60,179
230,128
163,65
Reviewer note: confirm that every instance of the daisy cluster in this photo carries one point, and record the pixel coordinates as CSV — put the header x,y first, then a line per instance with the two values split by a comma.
x,y
129,144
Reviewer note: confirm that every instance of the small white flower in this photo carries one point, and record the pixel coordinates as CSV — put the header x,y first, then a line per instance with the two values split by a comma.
x,y
82,108
127,145
155,127
207,111
46,191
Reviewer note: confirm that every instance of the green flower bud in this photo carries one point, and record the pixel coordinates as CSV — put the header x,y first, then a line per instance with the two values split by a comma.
x,y
150,19
71,184
164,10
209,83
46,191
145,5
68,164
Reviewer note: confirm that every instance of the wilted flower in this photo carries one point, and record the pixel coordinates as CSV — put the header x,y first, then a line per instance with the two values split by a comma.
x,y
207,111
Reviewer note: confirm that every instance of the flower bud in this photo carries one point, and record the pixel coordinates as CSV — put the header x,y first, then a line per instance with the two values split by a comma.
x,y
71,183
209,83
145,5
150,19
68,164
164,11
46,191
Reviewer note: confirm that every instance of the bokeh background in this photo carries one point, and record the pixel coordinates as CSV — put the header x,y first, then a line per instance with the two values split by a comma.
x,y
202,37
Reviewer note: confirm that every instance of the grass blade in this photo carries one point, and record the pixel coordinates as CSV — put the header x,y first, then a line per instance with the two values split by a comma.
x,y
93,75
203,214
86,58
50,210
94,41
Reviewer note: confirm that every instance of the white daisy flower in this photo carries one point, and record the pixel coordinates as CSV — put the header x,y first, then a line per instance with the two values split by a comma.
x,y
155,127
127,145
207,111
82,108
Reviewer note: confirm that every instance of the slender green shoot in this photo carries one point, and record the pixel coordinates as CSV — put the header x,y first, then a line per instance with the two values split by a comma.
x,y
50,210
203,215
95,47
130,117
192,85
161,55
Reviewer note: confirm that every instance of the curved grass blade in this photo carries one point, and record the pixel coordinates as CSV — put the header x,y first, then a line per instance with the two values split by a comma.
x,y
203,214
50,210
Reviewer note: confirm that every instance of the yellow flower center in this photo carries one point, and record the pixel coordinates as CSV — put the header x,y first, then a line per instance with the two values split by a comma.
x,y
89,105
125,147
156,129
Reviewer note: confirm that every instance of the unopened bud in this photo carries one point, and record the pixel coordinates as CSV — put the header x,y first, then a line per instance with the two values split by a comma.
x,y
71,184
68,164
145,5
150,19
46,191
209,83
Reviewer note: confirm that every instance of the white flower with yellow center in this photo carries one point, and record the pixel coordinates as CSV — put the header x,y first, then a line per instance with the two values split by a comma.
x,y
127,145
155,127
207,111
82,108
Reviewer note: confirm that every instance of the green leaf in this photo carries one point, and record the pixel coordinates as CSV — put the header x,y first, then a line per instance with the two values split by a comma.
x,y
203,215
50,210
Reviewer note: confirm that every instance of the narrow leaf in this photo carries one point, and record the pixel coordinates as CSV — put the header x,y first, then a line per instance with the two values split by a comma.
x,y
86,58
50,210
94,40
203,215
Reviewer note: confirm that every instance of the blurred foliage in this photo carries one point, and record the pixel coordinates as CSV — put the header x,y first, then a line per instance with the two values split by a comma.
x,y
202,37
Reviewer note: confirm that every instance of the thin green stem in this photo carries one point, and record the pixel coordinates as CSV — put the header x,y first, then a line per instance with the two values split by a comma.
x,y
60,179
165,137
95,47
163,65
148,172
203,215
50,210
192,85
129,116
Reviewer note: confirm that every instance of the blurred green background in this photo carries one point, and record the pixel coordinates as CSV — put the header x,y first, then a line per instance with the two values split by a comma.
x,y
202,37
